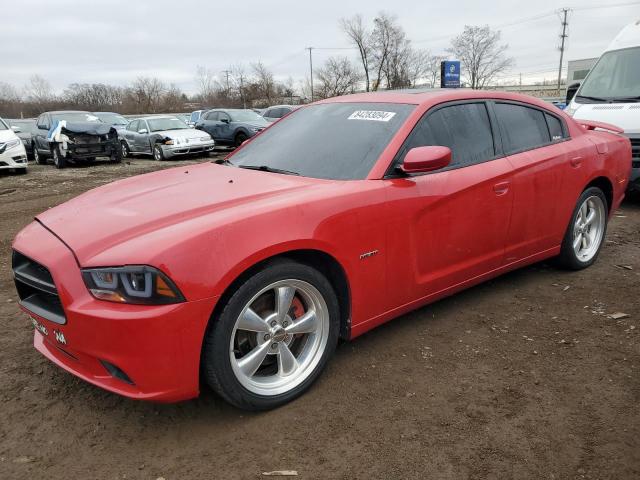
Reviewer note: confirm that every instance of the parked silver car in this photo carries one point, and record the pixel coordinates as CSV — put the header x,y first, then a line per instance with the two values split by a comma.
x,y
163,137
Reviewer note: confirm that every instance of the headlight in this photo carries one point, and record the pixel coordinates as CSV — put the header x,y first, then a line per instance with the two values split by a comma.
x,y
139,284
169,141
13,143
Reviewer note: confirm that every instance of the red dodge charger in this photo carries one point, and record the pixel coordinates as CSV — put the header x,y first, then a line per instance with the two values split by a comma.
x,y
243,275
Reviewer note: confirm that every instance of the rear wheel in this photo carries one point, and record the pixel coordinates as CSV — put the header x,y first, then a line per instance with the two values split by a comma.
x,y
58,159
273,337
586,231
40,160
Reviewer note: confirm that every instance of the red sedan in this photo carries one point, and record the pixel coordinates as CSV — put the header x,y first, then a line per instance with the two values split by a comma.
x,y
343,215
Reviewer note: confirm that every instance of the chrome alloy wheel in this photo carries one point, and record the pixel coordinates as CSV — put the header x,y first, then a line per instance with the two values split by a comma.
x,y
279,337
588,229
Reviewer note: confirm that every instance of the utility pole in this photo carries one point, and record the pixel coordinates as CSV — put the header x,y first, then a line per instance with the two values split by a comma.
x,y
311,69
564,35
227,72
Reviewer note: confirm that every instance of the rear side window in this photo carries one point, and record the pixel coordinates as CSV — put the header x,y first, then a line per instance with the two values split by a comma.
x,y
555,128
464,128
523,128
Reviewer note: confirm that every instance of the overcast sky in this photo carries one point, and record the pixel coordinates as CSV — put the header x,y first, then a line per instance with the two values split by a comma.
x,y
81,41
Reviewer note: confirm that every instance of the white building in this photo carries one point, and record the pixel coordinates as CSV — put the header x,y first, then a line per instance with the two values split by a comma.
x,y
578,69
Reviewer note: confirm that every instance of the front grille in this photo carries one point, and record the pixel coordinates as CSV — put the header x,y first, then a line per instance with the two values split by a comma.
x,y
635,148
36,289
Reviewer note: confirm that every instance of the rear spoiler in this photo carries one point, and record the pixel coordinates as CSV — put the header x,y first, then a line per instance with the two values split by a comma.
x,y
592,125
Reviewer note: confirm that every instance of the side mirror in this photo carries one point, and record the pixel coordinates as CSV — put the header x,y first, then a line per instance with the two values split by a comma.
x,y
143,131
16,129
571,91
426,159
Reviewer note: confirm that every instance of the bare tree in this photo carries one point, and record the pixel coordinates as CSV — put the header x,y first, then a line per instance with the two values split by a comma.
x,y
38,90
481,54
264,82
361,38
337,77
147,93
381,40
206,83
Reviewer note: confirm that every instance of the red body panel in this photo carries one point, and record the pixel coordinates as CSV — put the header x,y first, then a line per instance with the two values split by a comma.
x,y
205,225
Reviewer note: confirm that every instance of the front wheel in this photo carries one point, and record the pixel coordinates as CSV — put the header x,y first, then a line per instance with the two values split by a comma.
x,y
158,154
241,138
40,160
124,147
585,234
58,159
273,337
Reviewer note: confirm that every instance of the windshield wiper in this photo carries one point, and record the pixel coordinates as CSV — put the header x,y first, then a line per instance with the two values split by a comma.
x,y
223,161
594,99
266,168
626,99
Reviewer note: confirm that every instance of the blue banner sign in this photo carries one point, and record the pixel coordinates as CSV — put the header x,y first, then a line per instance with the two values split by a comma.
x,y
450,74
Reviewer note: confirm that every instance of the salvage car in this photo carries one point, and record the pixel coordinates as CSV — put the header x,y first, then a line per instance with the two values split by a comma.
x,y
12,152
231,126
341,216
163,137
74,136
25,129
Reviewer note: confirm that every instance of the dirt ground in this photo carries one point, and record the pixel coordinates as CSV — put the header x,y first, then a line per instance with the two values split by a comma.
x,y
522,377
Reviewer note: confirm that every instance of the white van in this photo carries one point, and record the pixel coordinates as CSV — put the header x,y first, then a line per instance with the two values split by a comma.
x,y
611,92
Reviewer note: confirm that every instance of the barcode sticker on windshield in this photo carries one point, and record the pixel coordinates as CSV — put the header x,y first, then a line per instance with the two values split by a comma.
x,y
373,115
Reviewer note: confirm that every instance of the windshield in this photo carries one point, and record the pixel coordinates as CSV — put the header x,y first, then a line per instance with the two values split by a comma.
x,y
75,117
245,116
111,118
339,141
616,76
159,124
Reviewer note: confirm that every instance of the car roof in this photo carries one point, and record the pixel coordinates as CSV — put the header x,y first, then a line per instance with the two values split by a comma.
x,y
435,96
68,111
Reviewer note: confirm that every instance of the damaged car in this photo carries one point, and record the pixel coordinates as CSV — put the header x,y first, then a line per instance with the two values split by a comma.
x,y
74,136
163,137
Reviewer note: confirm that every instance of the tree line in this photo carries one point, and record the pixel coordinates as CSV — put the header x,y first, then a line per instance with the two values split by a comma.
x,y
386,59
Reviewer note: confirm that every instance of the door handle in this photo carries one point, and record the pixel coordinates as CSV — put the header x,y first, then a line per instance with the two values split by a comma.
x,y
501,188
576,162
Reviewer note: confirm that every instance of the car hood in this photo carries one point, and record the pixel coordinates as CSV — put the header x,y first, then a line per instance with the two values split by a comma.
x,y
6,135
110,215
184,133
623,115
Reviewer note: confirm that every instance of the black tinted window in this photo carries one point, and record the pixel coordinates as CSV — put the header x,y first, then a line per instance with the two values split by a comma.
x,y
332,140
555,127
465,129
523,128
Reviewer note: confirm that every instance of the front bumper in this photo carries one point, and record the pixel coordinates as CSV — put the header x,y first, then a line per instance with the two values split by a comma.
x,y
156,347
186,148
15,157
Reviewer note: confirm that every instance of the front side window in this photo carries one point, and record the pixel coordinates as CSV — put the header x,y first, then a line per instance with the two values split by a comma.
x,y
523,128
133,126
464,128
338,141
212,116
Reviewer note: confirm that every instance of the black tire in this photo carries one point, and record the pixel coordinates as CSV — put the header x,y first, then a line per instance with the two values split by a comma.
x,y
21,171
58,159
125,150
216,363
158,154
38,157
568,257
240,138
